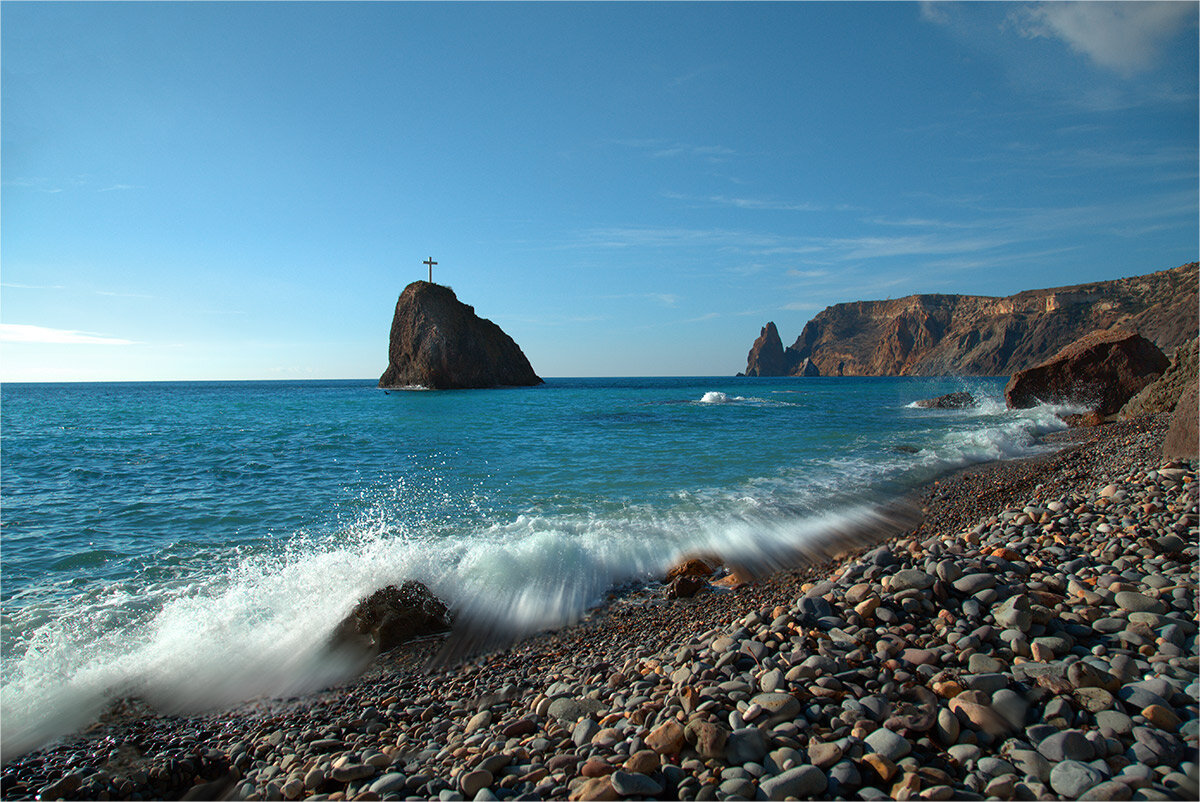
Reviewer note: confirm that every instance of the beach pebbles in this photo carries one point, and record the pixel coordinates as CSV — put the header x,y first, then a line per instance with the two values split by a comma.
x,y
1034,638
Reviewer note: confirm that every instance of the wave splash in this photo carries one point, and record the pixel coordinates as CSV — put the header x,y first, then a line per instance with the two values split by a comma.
x,y
251,625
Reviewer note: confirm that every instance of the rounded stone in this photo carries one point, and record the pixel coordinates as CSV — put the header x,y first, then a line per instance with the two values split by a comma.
x,y
910,579
1138,603
801,782
887,743
639,786
473,781
1072,778
1067,745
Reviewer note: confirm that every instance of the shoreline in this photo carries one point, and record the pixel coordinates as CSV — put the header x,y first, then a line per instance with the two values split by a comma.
x,y
511,720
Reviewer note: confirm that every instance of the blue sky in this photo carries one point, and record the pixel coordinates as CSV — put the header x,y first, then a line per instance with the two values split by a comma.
x,y
238,191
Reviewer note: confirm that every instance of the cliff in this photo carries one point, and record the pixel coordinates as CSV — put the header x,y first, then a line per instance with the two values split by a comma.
x,y
931,335
440,343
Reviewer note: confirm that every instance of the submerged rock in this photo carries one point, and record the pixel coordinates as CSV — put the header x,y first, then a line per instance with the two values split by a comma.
x,y
959,400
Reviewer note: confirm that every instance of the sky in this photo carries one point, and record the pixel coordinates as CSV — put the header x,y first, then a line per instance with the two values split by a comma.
x,y
196,191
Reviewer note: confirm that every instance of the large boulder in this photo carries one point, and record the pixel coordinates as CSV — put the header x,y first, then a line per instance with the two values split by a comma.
x,y
440,343
766,355
1181,438
1100,371
1163,394
392,615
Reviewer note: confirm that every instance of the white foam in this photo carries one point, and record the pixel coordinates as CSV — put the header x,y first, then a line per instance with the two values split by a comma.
x,y
258,624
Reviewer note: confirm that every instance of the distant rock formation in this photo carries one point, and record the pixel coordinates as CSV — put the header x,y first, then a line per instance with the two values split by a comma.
x,y
766,355
440,343
931,335
1100,371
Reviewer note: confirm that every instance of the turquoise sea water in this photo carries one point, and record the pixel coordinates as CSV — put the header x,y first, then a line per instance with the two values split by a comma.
x,y
195,543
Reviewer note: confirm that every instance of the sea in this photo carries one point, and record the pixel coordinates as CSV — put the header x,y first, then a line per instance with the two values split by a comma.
x,y
194,544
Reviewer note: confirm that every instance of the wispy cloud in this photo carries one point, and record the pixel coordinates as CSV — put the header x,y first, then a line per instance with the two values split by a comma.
x,y
1125,37
666,299
748,203
36,184
118,188
16,286
664,148
111,294
21,333
933,12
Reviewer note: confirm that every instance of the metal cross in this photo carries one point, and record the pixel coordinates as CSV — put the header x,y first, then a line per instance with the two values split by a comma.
x,y
431,263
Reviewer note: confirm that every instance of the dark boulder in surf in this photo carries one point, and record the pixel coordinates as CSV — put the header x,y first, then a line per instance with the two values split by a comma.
x,y
440,343
390,616
949,401
1100,371
694,566
686,586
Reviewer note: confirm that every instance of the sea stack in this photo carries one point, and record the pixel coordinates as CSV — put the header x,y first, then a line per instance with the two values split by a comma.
x,y
439,342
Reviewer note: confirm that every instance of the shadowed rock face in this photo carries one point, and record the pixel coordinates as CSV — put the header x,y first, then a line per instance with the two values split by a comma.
x,y
766,355
440,343
1181,438
1102,371
1163,394
931,335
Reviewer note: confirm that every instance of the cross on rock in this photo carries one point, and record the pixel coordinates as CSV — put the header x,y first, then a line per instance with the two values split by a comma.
x,y
431,263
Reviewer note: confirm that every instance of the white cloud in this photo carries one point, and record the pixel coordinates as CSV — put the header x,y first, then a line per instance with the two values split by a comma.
x,y
112,294
1122,36
933,12
21,333
31,286
749,203
666,299
662,148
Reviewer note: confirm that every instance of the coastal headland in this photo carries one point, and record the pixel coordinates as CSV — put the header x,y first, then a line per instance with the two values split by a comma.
x,y
1034,637
971,335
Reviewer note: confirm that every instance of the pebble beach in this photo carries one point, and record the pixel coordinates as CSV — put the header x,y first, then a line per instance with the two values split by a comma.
x,y
1034,638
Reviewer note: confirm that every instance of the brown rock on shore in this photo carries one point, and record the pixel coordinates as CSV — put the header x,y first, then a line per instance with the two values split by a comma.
x,y
1102,370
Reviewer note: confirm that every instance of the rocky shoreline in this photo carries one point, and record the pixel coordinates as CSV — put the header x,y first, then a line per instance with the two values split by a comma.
x,y
1034,638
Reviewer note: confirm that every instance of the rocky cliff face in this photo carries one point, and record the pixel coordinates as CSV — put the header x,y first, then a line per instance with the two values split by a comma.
x,y
440,343
929,335
766,355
